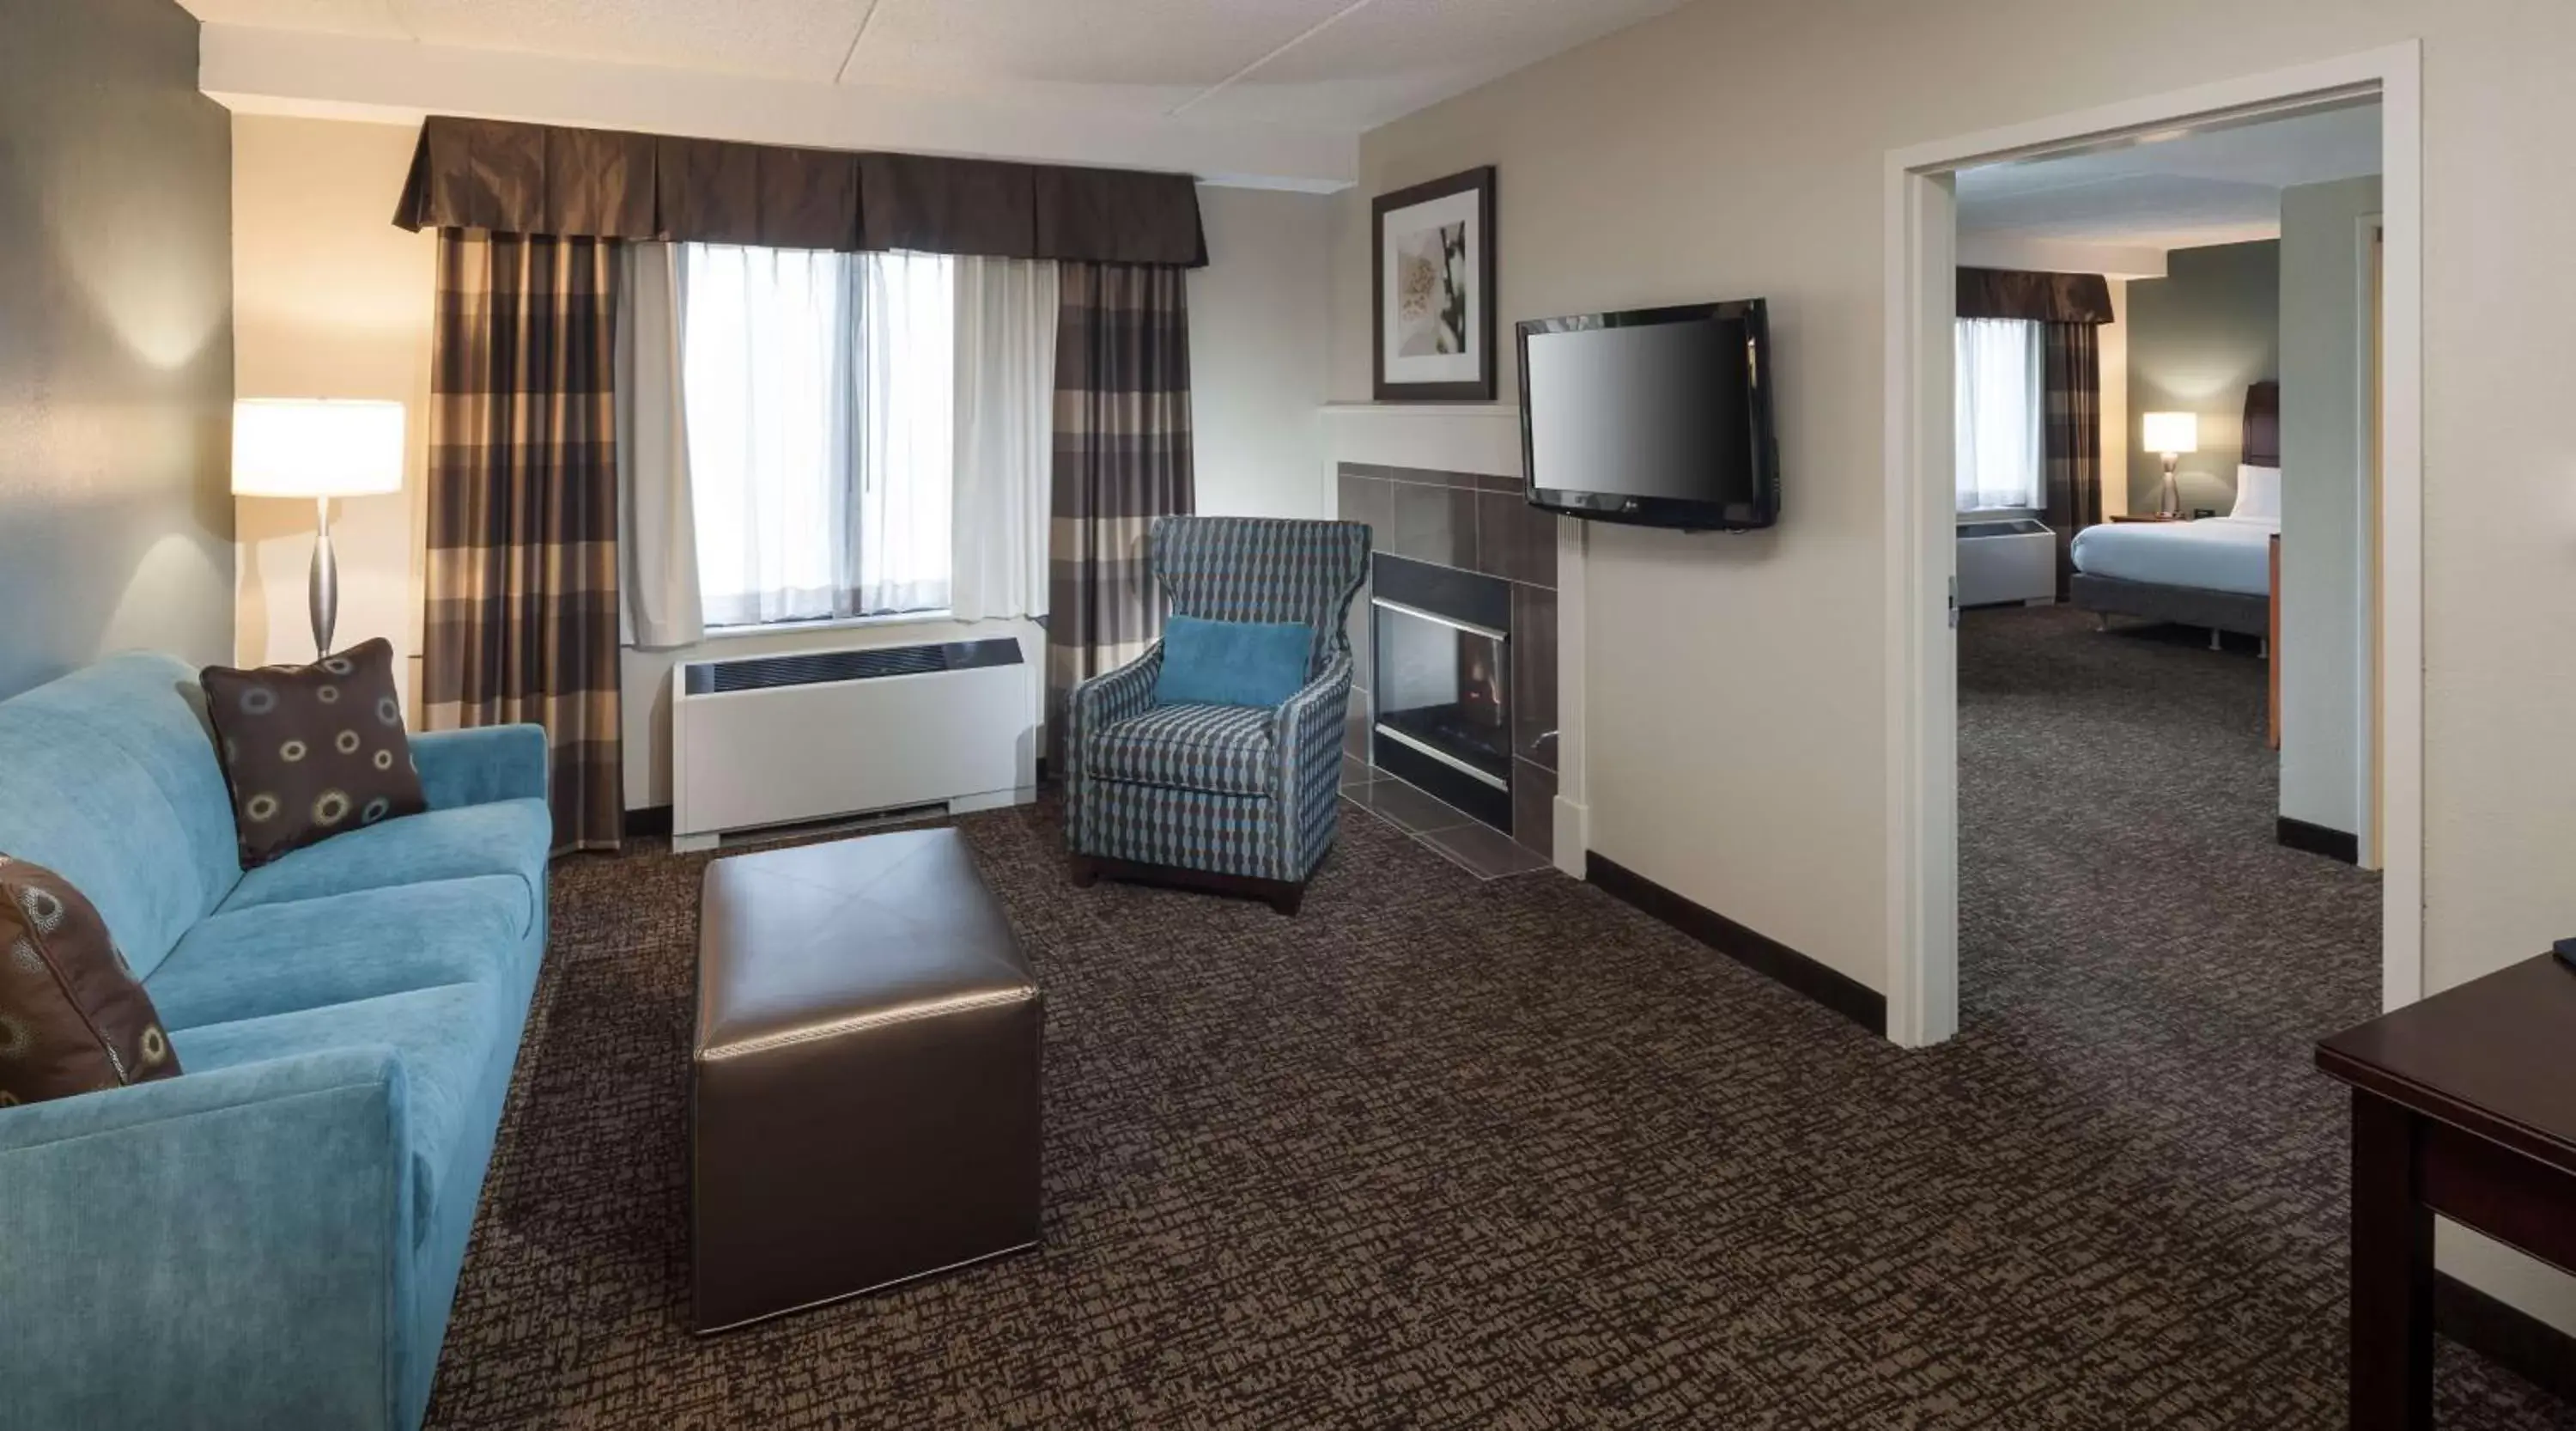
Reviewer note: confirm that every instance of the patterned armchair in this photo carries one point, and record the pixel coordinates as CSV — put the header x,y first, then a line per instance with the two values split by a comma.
x,y
1221,797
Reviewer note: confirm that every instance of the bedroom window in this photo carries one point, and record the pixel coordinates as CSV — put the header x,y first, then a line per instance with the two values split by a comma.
x,y
2000,449
818,389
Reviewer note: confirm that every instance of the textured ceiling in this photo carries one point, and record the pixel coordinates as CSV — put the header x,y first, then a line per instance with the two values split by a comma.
x,y
2210,186
1340,65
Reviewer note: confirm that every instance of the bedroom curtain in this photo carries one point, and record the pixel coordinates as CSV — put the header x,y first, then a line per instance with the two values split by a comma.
x,y
521,574
1006,337
1996,415
1122,458
2071,418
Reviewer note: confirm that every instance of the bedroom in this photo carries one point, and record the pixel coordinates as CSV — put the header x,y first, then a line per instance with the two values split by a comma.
x,y
2164,426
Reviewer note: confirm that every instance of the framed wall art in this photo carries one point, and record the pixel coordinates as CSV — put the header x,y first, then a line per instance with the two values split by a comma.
x,y
1434,274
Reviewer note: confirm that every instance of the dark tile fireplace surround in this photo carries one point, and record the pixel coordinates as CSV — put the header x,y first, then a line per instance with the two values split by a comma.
x,y
1452,732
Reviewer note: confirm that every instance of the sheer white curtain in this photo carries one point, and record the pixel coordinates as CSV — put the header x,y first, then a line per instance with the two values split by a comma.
x,y
658,605
767,376
1005,443
2000,453
866,433
906,353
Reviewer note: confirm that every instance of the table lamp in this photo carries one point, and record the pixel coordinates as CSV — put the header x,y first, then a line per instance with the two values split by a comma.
x,y
2173,434
319,448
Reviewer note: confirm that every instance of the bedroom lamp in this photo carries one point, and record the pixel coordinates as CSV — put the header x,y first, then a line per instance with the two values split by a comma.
x,y
2172,434
319,448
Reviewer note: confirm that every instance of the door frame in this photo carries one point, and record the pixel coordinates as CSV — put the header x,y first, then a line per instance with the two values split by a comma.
x,y
1922,647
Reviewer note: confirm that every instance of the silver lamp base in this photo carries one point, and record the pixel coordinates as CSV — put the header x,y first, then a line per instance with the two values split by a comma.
x,y
323,589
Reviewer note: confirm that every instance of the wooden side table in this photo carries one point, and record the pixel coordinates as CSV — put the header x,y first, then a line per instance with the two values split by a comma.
x,y
2462,1105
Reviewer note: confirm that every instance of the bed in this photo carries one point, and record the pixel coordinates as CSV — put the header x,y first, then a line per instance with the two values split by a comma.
x,y
2213,573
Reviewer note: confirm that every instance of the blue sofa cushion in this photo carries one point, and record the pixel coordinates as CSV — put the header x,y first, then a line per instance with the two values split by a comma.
x,y
1232,663
1227,750
285,958
108,778
507,837
441,1037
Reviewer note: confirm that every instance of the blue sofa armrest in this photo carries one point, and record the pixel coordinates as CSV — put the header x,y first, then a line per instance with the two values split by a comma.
x,y
480,766
230,1248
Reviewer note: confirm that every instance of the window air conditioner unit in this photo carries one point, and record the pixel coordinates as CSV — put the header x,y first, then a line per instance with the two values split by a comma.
x,y
2004,562
781,740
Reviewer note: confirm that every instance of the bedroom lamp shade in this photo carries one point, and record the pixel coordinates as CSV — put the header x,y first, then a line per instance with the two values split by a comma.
x,y
2173,433
316,447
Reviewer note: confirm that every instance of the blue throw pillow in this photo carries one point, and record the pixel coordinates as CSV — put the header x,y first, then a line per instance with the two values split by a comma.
x,y
1231,663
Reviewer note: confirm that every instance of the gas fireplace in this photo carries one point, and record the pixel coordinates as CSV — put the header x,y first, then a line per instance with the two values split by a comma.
x,y
1443,683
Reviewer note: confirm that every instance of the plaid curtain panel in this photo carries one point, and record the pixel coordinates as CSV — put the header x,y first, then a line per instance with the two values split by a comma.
x,y
1122,458
522,561
2071,429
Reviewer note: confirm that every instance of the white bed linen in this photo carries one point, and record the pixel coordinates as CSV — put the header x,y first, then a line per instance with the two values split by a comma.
x,y
2214,553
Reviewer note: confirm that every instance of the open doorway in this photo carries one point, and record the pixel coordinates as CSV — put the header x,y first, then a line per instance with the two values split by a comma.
x,y
2160,419
1923,649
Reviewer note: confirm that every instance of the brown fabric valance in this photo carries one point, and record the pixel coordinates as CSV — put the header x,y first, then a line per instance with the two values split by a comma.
x,y
595,183
2038,297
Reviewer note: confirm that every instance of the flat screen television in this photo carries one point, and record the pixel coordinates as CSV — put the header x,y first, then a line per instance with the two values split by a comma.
x,y
1658,416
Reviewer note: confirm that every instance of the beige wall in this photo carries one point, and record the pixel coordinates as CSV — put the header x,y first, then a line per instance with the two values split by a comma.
x,y
1738,692
116,382
330,300
1260,334
2198,337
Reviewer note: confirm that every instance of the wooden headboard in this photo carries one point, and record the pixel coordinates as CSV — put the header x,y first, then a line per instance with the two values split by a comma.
x,y
2262,425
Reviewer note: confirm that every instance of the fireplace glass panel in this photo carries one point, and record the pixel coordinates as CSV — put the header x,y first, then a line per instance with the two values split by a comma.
x,y
1445,687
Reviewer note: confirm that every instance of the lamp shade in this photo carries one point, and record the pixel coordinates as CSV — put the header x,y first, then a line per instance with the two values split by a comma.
x,y
2172,433
316,447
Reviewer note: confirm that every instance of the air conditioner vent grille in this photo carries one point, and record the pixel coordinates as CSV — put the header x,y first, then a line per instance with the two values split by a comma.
x,y
760,673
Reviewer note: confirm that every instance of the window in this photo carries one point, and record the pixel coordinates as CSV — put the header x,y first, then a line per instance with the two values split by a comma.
x,y
819,394
2000,450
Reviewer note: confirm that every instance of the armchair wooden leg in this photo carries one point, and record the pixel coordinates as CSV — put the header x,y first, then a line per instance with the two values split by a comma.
x,y
1085,871
1287,898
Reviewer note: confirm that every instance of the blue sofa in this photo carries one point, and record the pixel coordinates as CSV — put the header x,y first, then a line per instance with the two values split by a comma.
x,y
272,1238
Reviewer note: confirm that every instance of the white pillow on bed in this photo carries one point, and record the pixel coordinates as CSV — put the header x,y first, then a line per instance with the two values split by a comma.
x,y
2258,492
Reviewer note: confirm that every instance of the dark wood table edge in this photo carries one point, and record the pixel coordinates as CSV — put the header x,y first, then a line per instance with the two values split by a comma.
x,y
2433,1103
2521,1343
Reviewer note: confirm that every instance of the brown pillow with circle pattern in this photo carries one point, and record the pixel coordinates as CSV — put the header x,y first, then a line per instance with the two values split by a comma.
x,y
312,751
72,1017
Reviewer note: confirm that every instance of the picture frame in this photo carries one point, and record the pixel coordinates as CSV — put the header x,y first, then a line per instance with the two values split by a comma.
x,y
1432,290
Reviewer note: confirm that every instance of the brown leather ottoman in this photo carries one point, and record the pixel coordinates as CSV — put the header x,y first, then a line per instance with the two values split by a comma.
x,y
864,1082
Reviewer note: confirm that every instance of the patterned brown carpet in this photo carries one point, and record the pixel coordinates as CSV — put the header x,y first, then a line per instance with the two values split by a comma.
x,y
1443,1153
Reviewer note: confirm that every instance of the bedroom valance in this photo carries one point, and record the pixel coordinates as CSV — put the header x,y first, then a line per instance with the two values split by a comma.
x,y
2036,297
596,183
